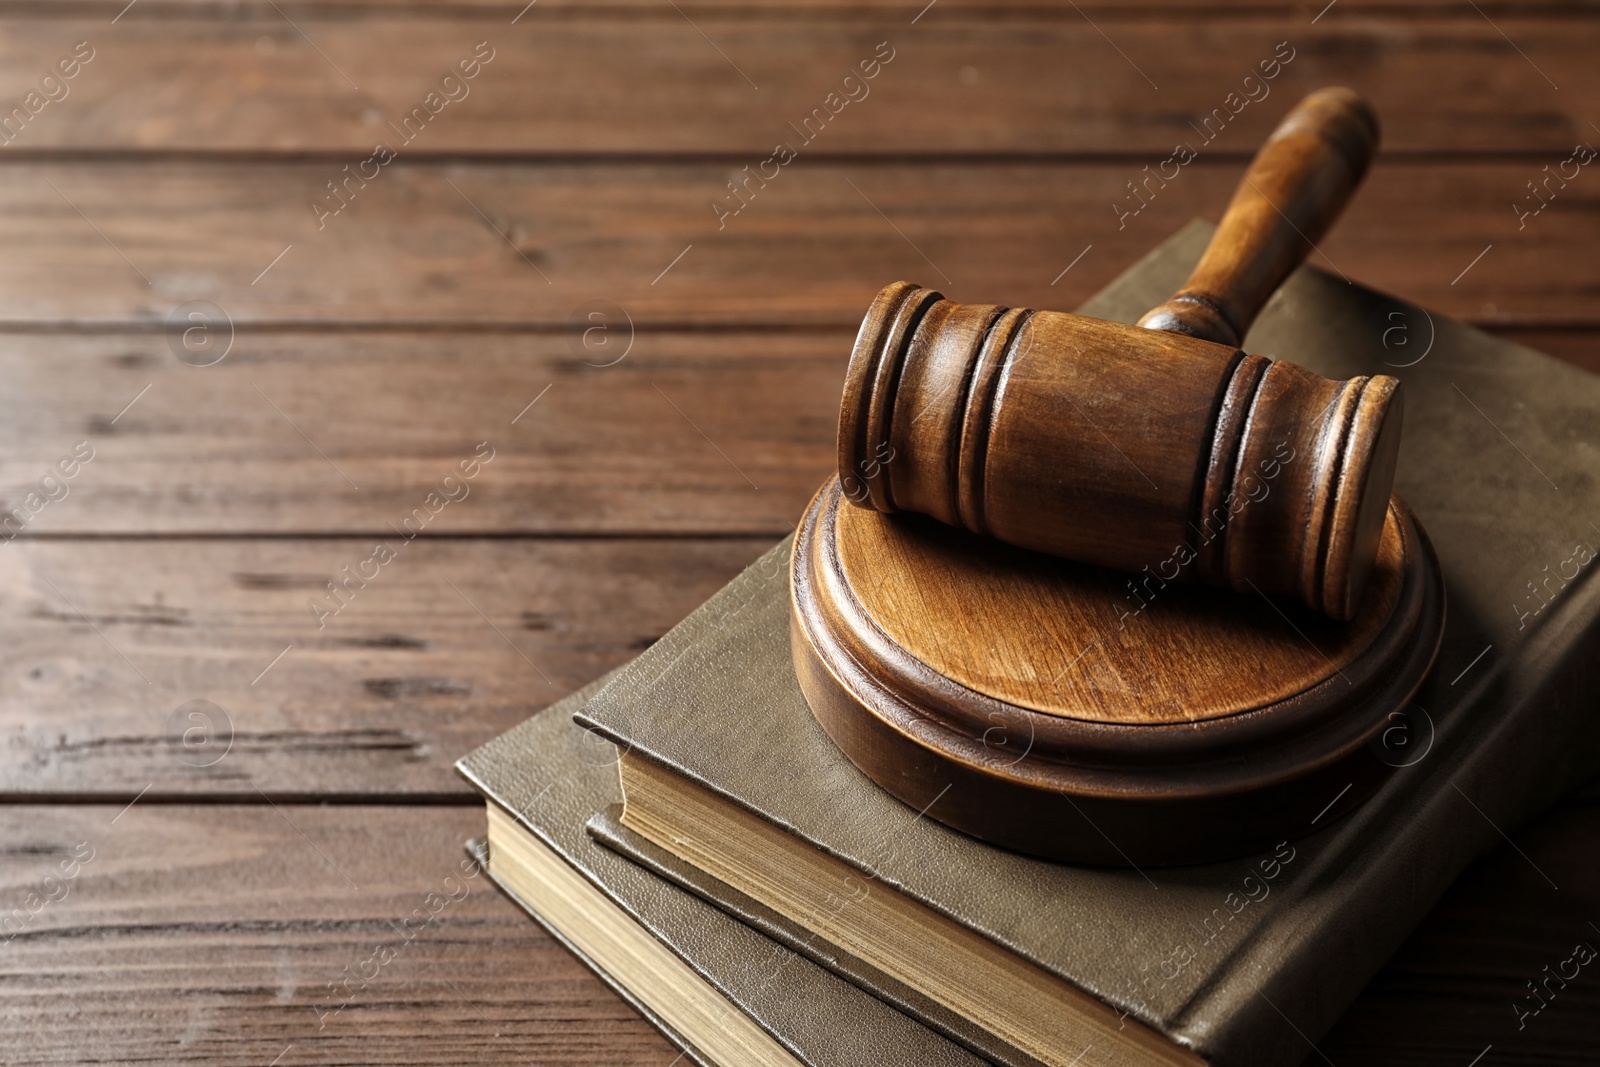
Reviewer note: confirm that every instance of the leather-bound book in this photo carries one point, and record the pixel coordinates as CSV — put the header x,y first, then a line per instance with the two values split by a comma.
x,y
735,791
721,991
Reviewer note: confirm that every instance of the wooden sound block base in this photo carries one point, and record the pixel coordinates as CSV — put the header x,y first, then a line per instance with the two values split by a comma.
x,y
1092,716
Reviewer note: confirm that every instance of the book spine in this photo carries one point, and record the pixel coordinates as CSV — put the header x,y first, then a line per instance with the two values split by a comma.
x,y
1519,738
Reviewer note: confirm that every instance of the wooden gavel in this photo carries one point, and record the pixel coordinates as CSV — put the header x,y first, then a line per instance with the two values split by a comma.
x,y
1160,448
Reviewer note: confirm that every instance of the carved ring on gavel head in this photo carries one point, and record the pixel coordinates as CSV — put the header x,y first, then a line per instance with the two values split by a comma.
x,y
1151,452
1152,449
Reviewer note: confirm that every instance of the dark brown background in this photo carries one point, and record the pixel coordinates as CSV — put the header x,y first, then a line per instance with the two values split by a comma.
x,y
423,318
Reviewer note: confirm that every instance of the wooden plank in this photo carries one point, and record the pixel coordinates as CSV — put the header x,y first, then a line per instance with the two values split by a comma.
x,y
229,935
1577,346
565,83
209,934
117,244
1448,994
1102,10
451,643
674,438
611,450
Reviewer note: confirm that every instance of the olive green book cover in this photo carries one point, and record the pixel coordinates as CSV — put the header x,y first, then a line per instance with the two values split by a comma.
x,y
551,776
1246,961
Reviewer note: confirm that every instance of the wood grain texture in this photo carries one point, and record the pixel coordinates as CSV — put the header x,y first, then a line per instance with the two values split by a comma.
x,y
1088,738
602,452
1575,345
595,142
674,438
110,642
1295,188
230,935
208,934
1145,450
169,78
1447,995
811,249
469,9
1074,642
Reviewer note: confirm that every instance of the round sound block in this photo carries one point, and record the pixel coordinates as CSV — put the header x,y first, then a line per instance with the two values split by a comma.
x,y
1091,716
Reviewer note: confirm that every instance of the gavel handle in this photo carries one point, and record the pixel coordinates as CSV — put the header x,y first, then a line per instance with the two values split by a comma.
x,y
1295,188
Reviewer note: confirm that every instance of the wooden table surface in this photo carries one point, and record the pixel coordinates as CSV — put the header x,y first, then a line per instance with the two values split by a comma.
x,y
535,261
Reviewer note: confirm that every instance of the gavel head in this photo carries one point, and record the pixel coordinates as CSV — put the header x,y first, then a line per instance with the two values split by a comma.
x,y
1146,451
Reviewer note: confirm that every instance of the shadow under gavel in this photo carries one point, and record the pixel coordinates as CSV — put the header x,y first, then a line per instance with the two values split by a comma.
x,y
1161,448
